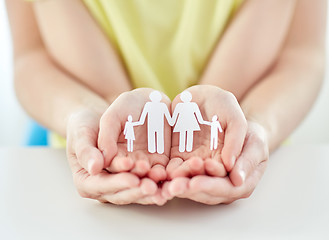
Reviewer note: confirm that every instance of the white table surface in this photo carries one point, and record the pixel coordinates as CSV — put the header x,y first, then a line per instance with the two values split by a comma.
x,y
38,201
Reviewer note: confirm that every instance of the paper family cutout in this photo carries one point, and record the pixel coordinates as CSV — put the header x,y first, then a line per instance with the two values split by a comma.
x,y
186,118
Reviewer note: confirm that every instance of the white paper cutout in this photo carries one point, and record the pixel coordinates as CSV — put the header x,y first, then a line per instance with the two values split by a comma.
x,y
129,133
214,128
155,111
186,118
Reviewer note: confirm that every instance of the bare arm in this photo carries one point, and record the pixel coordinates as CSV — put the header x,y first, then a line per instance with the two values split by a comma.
x,y
48,91
279,82
275,81
249,46
66,77
285,95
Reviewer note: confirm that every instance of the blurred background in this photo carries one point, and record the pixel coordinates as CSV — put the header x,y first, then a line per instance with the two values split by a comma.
x,y
14,121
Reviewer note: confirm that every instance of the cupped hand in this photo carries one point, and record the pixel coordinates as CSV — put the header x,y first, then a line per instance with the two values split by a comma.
x,y
87,164
113,144
240,183
201,160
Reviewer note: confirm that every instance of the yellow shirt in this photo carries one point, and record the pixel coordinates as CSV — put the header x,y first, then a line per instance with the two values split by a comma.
x,y
164,44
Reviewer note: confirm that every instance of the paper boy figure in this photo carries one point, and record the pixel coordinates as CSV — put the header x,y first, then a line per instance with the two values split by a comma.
x,y
214,128
129,133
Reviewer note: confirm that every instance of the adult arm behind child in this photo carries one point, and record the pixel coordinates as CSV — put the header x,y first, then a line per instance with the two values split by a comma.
x,y
65,95
285,52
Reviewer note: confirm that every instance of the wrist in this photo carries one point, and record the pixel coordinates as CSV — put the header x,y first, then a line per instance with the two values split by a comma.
x,y
261,129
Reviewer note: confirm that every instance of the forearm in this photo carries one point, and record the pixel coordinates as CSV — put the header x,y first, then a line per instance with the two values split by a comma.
x,y
282,99
52,80
280,93
50,95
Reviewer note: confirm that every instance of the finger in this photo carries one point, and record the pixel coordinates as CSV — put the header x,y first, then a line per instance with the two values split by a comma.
x,y
191,167
121,164
253,155
205,198
157,199
109,131
104,183
158,173
178,186
235,134
88,156
181,188
147,187
165,191
232,119
141,167
214,168
173,164
214,186
112,124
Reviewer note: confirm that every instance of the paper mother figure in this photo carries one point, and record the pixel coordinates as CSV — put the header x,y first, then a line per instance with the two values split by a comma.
x,y
188,118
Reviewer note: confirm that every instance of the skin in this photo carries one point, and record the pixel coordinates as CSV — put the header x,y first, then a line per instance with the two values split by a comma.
x,y
277,47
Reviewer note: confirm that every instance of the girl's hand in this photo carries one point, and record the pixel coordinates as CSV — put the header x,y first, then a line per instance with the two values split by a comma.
x,y
112,143
87,163
240,183
211,101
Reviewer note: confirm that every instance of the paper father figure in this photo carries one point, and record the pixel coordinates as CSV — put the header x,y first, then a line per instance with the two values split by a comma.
x,y
155,111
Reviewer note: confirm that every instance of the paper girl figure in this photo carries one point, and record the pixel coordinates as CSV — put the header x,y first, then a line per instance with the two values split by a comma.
x,y
215,127
189,117
129,133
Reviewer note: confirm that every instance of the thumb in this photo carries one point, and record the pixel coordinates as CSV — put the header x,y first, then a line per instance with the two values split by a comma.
x,y
109,131
88,155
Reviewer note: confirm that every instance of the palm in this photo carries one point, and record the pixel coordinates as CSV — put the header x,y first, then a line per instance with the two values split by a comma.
x,y
140,155
211,101
139,161
201,145
200,152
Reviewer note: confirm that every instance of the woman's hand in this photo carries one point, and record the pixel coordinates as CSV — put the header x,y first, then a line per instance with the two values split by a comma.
x,y
87,164
240,183
211,101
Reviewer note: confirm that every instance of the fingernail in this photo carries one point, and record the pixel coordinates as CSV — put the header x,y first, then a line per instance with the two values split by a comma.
x,y
242,175
90,164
